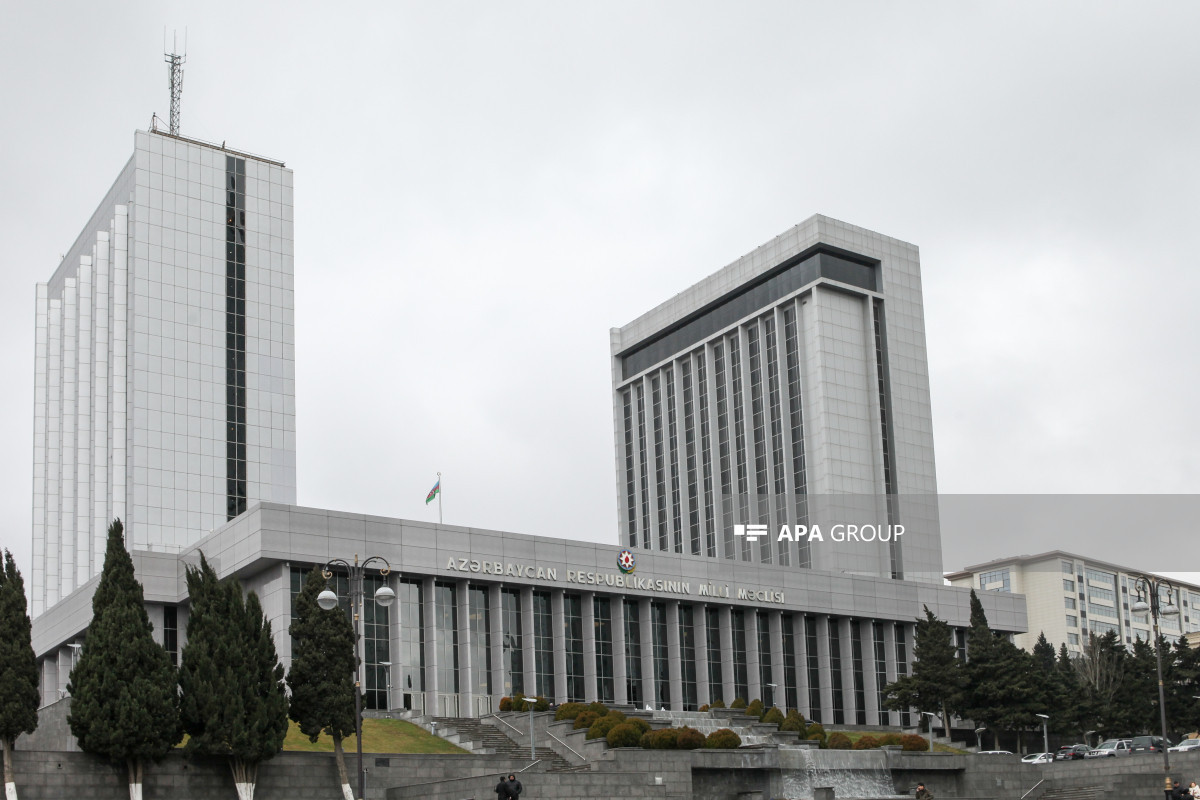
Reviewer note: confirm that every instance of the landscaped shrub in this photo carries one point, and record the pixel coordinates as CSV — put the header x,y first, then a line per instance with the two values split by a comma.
x,y
792,724
773,716
569,711
819,740
839,741
585,720
602,726
816,733
624,735
640,724
598,708
689,739
664,739
912,743
724,739
717,704
703,707
866,742
506,704
518,701
737,703
890,740
755,709
541,704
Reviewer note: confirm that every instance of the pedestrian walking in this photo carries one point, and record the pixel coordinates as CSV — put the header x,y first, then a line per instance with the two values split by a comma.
x,y
514,787
502,789
923,793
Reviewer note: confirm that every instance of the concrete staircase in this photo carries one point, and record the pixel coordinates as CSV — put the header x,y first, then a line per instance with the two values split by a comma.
x,y
1074,793
473,734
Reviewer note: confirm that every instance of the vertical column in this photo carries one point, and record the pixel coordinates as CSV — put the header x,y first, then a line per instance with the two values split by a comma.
x,y
775,629
101,359
848,694
41,313
70,366
866,634
649,689
617,605
754,685
700,619
889,657
499,657
432,707
49,681
528,656
800,640
558,630
120,368
824,668
674,657
590,691
466,669
728,692
65,664
53,584
83,424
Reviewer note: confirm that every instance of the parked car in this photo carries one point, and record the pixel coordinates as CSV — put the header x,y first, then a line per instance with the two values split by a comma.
x,y
1186,746
1071,752
1111,748
1038,758
1148,744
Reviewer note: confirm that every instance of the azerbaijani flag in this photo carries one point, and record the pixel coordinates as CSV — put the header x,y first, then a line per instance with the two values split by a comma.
x,y
437,488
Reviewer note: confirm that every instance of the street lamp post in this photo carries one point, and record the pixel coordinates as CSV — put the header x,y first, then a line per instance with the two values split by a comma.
x,y
1150,591
1045,732
771,696
979,738
328,600
932,717
387,681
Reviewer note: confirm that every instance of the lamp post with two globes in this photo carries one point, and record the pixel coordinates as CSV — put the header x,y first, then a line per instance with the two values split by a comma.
x,y
328,600
1155,595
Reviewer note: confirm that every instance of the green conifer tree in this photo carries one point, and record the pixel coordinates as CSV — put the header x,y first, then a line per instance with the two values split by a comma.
x,y
232,697
321,678
18,669
937,680
124,704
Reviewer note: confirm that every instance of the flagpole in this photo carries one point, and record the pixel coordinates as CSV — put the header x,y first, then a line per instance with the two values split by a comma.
x,y
439,498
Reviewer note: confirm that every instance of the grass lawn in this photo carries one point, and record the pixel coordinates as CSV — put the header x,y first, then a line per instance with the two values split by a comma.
x,y
379,736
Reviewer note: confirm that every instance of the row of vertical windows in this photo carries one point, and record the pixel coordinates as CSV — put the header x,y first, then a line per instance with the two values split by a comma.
x,y
573,644
660,477
633,653
758,424
777,466
480,623
445,624
543,645
739,434
236,493
791,694
712,634
885,433
514,661
710,538
765,666
902,665
377,645
673,449
602,616
796,420
814,668
659,653
689,445
881,680
741,678
630,473
856,663
835,672
687,657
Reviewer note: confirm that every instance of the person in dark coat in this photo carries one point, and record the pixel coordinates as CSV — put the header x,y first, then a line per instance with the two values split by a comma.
x,y
923,793
502,789
514,787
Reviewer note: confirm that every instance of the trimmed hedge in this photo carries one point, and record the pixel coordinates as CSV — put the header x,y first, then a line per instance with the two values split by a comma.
x,y
703,707
506,704
738,702
866,742
723,739
773,716
624,735
598,708
664,739
541,704
913,743
585,720
569,711
890,740
689,739
717,704
602,726
755,709
839,741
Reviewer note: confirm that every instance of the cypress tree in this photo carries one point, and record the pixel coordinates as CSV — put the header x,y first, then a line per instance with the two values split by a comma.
x,y
322,674
18,669
124,705
232,698
937,678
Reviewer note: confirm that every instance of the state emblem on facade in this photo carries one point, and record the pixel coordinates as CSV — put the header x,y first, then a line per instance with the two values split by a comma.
x,y
625,562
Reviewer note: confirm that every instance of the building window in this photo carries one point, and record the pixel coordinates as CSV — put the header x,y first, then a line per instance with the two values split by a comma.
x,y
835,672
741,679
481,641
1096,593
660,457
642,464
1102,611
689,450
673,451
236,495
411,606
716,684
1101,628
377,645
739,434
1072,621
814,669
902,665
633,654
1068,568
445,624
687,657
1101,577
995,581
856,654
171,633
791,694
630,471
960,643
710,528
658,643
602,621
573,642
758,425
543,645
1068,585
885,432
766,667
1073,639
796,422
880,671
1069,603
514,665
778,468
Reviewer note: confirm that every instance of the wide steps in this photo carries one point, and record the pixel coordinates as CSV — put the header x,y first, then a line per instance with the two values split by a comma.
x,y
1074,793
490,738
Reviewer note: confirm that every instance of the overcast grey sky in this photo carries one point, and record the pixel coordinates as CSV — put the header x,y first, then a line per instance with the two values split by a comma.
x,y
484,189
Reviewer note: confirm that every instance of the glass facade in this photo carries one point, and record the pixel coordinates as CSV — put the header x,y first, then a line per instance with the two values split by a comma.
x,y
687,657
741,678
514,664
835,673
673,451
880,671
445,630
859,669
481,640
796,422
814,669
902,665
573,643
766,663
712,626
235,336
633,654
658,639
377,646
543,645
660,475
791,696
171,633
411,608
602,621
710,529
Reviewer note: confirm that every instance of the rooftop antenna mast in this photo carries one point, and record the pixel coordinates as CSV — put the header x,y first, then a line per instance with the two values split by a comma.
x,y
175,64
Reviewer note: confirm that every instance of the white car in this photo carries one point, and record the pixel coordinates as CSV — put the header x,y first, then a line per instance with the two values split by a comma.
x,y
1112,749
1038,758
1186,746
994,753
